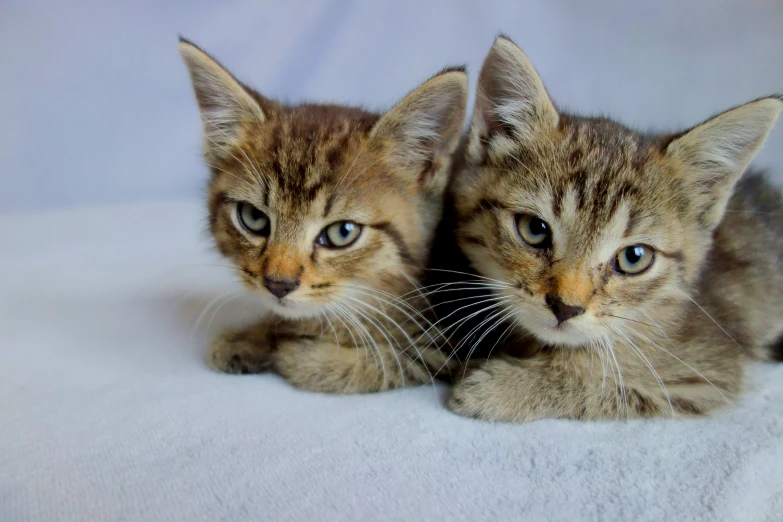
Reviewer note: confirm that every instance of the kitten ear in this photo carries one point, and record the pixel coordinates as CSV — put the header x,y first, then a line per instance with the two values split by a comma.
x,y
510,98
422,131
226,105
717,152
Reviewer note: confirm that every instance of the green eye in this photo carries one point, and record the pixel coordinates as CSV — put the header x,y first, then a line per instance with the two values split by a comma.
x,y
534,231
634,259
254,220
340,234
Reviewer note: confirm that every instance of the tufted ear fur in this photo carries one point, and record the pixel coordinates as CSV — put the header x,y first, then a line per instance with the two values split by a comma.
x,y
226,105
511,100
714,154
422,131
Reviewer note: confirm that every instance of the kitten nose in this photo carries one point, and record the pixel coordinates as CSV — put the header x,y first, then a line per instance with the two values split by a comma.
x,y
563,312
280,287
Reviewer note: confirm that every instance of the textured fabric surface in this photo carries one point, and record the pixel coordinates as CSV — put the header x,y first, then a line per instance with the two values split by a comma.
x,y
107,412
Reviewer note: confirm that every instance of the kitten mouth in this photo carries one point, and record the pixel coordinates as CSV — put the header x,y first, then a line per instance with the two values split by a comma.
x,y
558,334
284,302
562,329
285,307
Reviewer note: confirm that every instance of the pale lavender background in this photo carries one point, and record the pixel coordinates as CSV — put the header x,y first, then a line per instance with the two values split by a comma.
x,y
95,105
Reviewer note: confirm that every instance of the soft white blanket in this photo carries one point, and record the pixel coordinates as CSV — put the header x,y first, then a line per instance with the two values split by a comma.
x,y
107,412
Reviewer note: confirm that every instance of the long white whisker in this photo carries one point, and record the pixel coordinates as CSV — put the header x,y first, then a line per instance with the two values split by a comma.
x,y
364,334
513,324
653,321
217,309
461,343
640,353
506,315
489,300
462,321
350,168
450,287
477,276
362,290
601,347
623,396
708,315
382,331
337,315
467,336
411,342
694,370
209,305
251,168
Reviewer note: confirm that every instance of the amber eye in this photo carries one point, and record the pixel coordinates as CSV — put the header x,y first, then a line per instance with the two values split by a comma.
x,y
254,220
340,234
633,260
534,231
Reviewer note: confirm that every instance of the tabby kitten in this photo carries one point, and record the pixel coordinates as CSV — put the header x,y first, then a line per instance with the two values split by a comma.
x,y
328,212
642,269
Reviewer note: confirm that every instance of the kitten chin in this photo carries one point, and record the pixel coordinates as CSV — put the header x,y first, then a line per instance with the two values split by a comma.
x,y
328,212
552,333
290,309
644,269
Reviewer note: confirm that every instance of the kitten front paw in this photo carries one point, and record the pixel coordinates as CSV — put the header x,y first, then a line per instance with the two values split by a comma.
x,y
311,365
238,353
468,396
487,393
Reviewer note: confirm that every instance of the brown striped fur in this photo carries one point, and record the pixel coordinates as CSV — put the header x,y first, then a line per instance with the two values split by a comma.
x,y
669,341
353,323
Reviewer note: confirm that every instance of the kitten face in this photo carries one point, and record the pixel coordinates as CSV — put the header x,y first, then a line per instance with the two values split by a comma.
x,y
586,223
590,228
326,212
320,204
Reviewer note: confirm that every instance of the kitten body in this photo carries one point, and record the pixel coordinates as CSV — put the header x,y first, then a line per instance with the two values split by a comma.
x,y
328,213
639,271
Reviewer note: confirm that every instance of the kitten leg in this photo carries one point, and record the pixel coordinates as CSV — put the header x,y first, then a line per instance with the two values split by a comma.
x,y
241,351
323,366
562,384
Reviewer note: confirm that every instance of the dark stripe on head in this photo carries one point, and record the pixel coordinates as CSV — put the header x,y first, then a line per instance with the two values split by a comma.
x,y
394,234
624,192
490,204
633,220
475,241
311,192
274,153
335,157
579,180
329,204
575,159
675,255
486,205
557,199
